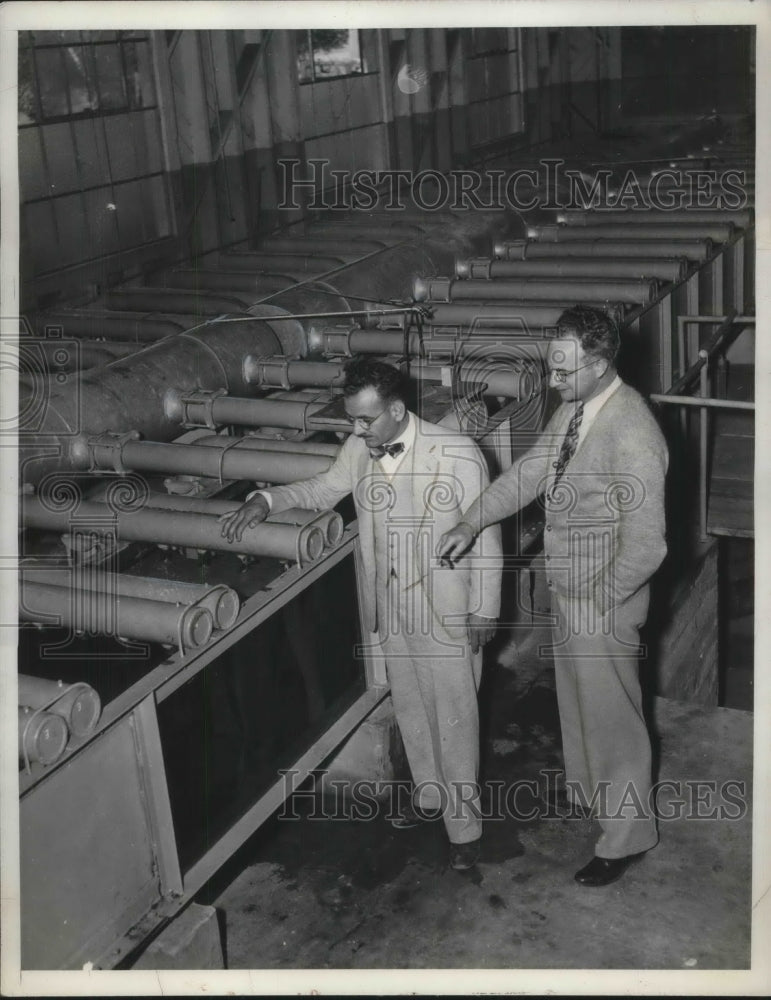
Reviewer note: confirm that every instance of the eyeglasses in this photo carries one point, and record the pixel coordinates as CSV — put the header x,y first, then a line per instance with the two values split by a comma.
x,y
561,374
366,422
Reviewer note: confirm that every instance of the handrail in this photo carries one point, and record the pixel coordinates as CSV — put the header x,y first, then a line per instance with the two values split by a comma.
x,y
720,339
717,404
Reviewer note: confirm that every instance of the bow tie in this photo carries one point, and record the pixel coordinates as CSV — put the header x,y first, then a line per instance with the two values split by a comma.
x,y
388,449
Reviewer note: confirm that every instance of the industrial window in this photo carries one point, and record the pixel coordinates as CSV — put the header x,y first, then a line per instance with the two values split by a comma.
x,y
494,85
325,53
91,167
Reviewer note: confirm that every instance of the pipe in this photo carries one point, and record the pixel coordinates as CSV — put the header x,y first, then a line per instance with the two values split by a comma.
x,y
321,448
294,263
175,300
509,381
294,414
380,232
338,342
329,521
509,290
44,357
222,602
112,323
255,283
575,217
632,231
519,315
660,268
181,528
345,248
126,617
266,372
696,250
129,394
231,459
42,736
78,704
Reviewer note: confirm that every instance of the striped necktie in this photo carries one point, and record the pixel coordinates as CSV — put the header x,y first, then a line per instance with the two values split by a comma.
x,y
569,444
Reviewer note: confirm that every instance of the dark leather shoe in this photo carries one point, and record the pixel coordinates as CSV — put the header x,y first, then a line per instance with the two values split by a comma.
x,y
464,856
603,871
558,802
410,817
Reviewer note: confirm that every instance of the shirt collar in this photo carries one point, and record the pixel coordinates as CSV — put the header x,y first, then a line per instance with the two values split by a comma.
x,y
407,436
593,406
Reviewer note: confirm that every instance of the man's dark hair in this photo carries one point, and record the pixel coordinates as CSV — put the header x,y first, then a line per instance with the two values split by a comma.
x,y
362,372
596,331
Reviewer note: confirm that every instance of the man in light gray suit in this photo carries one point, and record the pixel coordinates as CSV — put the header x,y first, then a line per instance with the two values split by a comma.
x,y
601,463
411,480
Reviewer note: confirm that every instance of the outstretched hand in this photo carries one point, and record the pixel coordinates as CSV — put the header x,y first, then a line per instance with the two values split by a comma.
x,y
454,543
246,516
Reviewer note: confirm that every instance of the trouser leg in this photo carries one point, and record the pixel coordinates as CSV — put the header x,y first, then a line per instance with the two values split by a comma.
x,y
606,739
435,700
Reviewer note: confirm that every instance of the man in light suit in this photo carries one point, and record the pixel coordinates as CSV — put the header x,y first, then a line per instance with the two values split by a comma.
x,y
601,463
411,480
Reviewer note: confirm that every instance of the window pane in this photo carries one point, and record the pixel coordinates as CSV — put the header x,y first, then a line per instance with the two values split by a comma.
x,y
27,103
52,77
83,96
304,63
335,53
139,74
109,71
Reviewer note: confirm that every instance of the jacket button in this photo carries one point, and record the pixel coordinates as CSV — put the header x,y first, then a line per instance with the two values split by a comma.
x,y
548,558
550,583
548,527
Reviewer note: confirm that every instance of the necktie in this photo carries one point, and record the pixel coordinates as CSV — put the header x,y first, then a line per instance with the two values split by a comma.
x,y
569,444
388,449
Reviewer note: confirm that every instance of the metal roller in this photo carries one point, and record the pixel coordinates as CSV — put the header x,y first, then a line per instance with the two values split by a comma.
x,y
661,268
434,341
181,528
510,289
329,521
229,458
42,736
40,356
220,601
633,231
286,263
574,217
117,325
78,704
131,393
498,378
281,372
271,412
695,250
178,300
128,617
309,245
255,283
254,443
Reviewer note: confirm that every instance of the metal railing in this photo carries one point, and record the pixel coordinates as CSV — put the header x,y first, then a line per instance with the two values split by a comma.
x,y
730,328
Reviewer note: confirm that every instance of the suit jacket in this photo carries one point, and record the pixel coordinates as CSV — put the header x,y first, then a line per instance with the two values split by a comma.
x,y
605,526
446,473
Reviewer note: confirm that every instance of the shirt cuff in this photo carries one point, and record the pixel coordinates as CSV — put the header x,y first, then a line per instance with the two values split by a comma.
x,y
260,493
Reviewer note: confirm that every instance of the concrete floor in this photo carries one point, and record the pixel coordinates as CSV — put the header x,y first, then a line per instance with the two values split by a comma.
x,y
345,894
